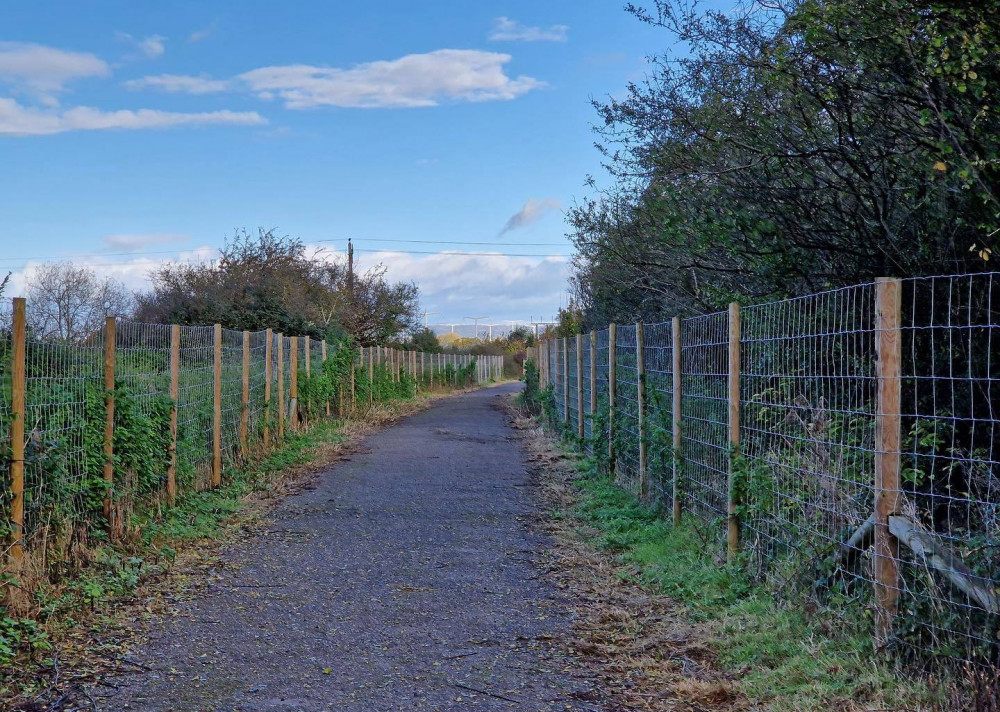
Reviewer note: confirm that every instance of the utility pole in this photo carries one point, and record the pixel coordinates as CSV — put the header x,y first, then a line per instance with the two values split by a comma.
x,y
350,269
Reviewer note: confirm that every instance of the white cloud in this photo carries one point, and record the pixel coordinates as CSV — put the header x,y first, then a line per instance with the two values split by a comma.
x,y
43,71
532,211
497,286
414,80
150,47
507,30
18,120
136,241
180,83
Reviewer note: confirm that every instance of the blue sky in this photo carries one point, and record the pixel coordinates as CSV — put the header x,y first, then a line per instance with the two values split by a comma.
x,y
159,128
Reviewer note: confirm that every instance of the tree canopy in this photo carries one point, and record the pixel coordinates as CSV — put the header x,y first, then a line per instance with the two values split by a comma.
x,y
798,145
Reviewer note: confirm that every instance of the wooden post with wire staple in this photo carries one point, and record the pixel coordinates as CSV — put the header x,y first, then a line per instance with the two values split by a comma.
x,y
293,386
268,342
640,367
18,382
565,379
281,387
612,394
245,397
175,373
676,374
109,414
733,533
306,348
888,347
579,387
593,378
217,408
323,356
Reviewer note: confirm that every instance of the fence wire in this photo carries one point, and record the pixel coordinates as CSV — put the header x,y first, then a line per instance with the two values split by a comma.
x,y
659,354
803,473
705,412
950,470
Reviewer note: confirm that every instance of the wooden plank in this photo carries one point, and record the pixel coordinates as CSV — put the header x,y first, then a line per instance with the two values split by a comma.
x,y
593,376
217,410
306,348
268,345
175,379
293,386
580,430
281,387
245,397
18,402
612,395
565,380
109,415
640,367
733,528
888,349
323,356
676,353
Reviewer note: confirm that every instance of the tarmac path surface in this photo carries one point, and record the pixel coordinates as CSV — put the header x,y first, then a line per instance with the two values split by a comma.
x,y
407,579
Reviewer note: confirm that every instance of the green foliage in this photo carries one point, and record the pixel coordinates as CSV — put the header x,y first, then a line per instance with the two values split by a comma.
x,y
786,657
19,635
531,395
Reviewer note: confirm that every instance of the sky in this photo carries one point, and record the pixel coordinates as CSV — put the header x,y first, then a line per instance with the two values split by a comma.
x,y
429,133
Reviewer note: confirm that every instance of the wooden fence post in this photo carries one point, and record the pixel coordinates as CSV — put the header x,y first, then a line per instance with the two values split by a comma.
x,y
579,387
175,378
354,385
245,397
565,377
640,366
268,345
281,387
293,386
323,356
733,534
217,410
18,385
888,346
109,414
371,375
306,348
593,378
612,395
676,373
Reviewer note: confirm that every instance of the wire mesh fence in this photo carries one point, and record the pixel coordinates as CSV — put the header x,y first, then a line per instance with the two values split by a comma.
x,y
98,415
811,410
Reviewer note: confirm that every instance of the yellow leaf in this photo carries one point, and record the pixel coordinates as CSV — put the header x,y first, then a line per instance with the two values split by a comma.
x,y
940,166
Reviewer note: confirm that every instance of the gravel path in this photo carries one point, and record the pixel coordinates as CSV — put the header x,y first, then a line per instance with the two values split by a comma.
x,y
406,580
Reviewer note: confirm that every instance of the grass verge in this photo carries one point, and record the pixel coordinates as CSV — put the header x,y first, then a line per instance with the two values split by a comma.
x,y
761,653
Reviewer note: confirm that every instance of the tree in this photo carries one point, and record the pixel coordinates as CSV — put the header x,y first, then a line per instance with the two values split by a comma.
x,y
425,340
268,281
801,145
66,302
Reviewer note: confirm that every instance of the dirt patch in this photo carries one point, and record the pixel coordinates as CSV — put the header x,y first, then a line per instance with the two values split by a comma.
x,y
646,654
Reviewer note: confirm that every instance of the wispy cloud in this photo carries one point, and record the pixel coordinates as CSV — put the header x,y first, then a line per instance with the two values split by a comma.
x,y
137,241
180,83
508,30
18,120
202,34
532,211
149,47
414,80
42,72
